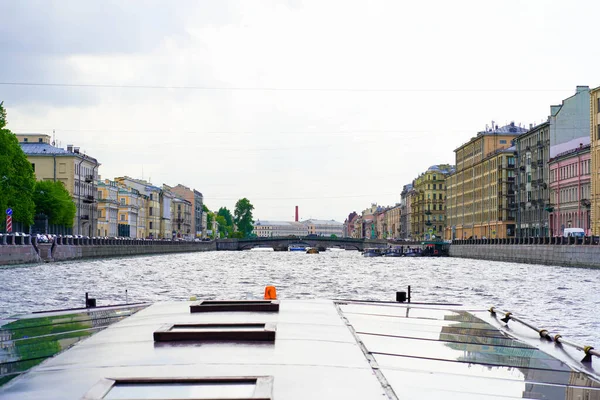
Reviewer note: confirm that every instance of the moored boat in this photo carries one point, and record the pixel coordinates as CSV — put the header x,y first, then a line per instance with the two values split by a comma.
x,y
296,247
373,252
312,250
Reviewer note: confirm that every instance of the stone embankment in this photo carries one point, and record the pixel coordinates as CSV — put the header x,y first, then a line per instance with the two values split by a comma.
x,y
24,250
561,251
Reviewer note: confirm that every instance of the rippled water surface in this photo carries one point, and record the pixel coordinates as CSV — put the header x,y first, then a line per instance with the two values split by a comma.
x,y
565,300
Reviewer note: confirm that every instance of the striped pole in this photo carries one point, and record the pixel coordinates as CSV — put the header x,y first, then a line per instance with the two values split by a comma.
x,y
8,223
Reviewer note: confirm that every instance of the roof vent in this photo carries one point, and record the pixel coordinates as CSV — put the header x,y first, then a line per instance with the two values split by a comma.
x,y
254,332
235,305
70,148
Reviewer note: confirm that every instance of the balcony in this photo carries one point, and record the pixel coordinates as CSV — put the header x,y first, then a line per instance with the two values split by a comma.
x,y
540,163
510,193
427,212
88,198
89,178
528,148
179,220
522,168
540,144
85,217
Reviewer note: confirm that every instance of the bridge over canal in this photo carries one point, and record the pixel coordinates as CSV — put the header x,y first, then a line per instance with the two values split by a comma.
x,y
282,243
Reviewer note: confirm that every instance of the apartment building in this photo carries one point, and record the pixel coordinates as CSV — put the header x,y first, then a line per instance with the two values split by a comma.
x,y
75,169
428,202
595,159
181,217
197,201
568,121
481,192
570,187
108,208
152,205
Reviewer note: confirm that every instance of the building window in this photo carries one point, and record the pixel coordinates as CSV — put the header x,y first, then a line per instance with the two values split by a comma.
x,y
99,195
502,141
151,225
150,211
122,217
122,201
40,140
33,166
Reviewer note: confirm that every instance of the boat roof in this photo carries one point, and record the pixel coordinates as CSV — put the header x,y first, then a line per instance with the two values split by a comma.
x,y
321,349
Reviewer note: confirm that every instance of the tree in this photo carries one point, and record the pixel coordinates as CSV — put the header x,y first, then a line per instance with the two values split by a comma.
x,y
243,216
17,179
53,199
224,212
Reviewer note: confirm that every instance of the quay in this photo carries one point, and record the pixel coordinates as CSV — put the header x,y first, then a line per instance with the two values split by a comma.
x,y
567,252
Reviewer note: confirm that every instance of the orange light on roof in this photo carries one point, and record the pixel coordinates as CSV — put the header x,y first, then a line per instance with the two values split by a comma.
x,y
270,293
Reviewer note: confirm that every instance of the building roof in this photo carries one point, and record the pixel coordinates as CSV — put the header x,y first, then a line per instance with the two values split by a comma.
x,y
276,223
322,222
574,144
510,129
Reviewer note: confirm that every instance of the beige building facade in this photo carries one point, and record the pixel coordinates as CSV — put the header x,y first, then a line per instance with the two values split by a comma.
x,y
481,192
76,170
108,208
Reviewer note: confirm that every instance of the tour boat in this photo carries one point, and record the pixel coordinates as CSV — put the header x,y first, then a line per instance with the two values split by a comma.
x,y
296,247
373,252
291,349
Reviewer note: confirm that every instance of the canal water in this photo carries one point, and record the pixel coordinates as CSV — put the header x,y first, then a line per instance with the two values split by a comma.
x,y
562,300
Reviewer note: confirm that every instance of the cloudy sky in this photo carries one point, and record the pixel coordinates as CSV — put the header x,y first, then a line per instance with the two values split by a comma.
x,y
328,105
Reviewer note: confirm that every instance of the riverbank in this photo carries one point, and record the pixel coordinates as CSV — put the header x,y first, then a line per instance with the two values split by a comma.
x,y
27,253
567,255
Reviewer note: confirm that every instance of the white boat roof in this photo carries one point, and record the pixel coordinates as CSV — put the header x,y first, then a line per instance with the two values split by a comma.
x,y
326,350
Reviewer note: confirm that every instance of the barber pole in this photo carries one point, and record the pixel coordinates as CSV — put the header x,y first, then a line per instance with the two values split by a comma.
x,y
8,223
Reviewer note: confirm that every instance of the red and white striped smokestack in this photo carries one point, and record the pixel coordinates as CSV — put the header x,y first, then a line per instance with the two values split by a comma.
x,y
296,213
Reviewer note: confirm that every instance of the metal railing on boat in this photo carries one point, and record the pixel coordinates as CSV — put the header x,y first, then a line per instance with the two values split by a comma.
x,y
545,334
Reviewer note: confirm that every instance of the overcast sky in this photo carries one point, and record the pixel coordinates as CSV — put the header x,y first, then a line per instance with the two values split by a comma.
x,y
328,105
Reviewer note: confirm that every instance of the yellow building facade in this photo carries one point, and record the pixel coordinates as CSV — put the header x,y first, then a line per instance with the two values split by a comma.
x,y
481,192
595,156
150,217
108,208
77,171
428,203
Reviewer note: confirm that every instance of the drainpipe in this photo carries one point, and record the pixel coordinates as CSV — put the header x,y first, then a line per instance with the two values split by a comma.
x,y
79,185
54,156
94,204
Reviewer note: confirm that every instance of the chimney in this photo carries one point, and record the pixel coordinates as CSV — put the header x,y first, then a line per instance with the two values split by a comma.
x,y
76,150
296,214
70,148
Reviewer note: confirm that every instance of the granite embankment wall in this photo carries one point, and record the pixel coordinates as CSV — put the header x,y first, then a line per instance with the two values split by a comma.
x,y
567,255
25,251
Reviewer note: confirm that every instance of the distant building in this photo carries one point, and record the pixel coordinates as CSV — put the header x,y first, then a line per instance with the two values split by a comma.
x,y
322,227
392,222
405,210
197,201
132,213
428,201
108,208
279,228
76,170
567,121
153,209
349,224
570,187
481,192
595,159
181,218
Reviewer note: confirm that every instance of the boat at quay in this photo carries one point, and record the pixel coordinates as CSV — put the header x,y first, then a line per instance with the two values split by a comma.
x,y
298,349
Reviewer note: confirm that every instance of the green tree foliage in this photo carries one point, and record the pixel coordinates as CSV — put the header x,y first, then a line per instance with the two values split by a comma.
x,y
209,216
237,235
243,216
224,229
17,179
53,199
224,212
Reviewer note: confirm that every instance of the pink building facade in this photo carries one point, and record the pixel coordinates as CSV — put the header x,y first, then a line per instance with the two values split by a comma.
x,y
570,190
